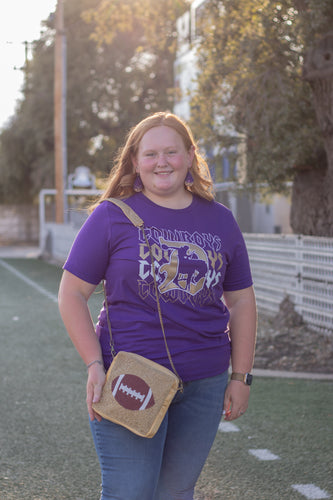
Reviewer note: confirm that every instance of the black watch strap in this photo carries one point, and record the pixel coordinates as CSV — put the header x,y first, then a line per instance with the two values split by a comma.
x,y
242,377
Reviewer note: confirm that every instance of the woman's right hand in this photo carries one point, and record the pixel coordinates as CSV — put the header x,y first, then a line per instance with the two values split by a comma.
x,y
95,382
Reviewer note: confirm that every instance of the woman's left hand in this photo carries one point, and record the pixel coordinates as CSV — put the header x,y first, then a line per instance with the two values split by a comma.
x,y
236,400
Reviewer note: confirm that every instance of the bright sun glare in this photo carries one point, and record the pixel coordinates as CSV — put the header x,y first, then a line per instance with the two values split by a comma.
x,y
19,22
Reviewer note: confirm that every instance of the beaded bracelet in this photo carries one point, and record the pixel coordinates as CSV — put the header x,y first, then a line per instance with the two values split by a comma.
x,y
93,362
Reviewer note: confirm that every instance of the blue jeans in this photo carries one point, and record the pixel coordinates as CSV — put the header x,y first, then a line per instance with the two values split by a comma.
x,y
167,466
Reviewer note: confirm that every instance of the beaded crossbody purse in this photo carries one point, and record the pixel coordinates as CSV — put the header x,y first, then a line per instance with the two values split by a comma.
x,y
137,391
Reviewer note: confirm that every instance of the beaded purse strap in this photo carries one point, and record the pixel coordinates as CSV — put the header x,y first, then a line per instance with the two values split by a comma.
x,y
138,222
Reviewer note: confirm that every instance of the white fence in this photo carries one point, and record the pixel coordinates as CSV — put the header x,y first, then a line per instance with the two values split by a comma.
x,y
298,266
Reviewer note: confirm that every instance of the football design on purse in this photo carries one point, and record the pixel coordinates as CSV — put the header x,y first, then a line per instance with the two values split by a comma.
x,y
137,383
132,392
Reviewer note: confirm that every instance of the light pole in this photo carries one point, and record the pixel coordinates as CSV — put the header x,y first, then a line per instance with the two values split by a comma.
x,y
60,131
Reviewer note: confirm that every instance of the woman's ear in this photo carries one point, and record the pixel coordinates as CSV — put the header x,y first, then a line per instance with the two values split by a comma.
x,y
191,153
135,163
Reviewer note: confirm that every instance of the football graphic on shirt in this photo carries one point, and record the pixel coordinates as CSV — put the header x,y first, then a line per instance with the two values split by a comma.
x,y
131,392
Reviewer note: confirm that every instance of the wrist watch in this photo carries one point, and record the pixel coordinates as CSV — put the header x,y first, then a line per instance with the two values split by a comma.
x,y
242,377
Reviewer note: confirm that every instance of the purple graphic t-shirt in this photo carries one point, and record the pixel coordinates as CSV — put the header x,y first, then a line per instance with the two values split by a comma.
x,y
198,253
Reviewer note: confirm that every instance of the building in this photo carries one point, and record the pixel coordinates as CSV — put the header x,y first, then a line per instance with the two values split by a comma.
x,y
254,214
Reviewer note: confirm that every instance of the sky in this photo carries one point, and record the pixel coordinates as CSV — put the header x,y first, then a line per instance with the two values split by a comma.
x,y
20,21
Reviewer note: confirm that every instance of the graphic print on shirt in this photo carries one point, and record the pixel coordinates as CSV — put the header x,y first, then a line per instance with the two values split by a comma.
x,y
187,266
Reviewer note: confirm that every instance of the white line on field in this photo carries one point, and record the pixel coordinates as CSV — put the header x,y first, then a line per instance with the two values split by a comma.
x,y
263,454
27,280
228,427
310,491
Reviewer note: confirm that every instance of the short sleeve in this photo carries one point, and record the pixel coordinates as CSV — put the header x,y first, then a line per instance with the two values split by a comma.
x,y
238,273
89,256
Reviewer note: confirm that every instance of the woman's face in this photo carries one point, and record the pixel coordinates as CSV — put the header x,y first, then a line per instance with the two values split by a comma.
x,y
163,162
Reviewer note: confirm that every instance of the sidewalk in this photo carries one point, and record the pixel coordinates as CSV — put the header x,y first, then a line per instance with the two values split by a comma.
x,y
258,372
19,252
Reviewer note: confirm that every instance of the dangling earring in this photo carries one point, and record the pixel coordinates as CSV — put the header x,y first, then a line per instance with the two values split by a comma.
x,y
138,186
189,181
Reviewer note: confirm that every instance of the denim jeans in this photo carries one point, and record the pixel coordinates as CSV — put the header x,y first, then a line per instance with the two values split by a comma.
x,y
167,466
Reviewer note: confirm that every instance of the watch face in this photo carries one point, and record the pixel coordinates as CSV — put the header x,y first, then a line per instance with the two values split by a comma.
x,y
248,379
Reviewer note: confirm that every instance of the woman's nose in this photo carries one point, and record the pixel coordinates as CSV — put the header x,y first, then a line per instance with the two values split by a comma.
x,y
161,159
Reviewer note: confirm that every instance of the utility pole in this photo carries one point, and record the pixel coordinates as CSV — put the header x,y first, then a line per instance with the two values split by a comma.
x,y
60,132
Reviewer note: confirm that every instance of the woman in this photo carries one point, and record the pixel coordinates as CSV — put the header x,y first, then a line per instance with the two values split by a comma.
x,y
200,258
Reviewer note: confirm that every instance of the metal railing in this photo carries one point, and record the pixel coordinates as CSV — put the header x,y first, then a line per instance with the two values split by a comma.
x,y
61,235
300,267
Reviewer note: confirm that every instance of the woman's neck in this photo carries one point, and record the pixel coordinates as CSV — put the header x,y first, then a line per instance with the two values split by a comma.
x,y
175,203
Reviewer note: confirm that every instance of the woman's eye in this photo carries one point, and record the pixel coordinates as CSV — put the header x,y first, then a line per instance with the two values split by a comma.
x,y
172,152
150,155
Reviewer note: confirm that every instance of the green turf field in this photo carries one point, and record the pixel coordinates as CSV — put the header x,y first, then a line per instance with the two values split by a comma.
x,y
46,448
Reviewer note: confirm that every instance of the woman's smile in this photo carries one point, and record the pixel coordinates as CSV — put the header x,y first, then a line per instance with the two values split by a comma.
x,y
163,172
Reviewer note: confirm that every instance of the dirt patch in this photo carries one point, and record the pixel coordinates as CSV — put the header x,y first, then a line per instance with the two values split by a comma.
x,y
286,342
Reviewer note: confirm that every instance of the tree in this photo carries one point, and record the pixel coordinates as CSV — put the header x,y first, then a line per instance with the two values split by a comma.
x,y
318,71
251,61
119,69
27,142
147,70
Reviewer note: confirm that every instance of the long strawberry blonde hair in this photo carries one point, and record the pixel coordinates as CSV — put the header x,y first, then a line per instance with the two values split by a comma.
x,y
122,175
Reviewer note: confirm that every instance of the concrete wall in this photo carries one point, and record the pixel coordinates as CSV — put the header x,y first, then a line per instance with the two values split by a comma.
x,y
18,224
57,241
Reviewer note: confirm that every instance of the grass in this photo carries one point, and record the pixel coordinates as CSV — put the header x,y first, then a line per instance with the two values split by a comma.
x,y
291,418
46,448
